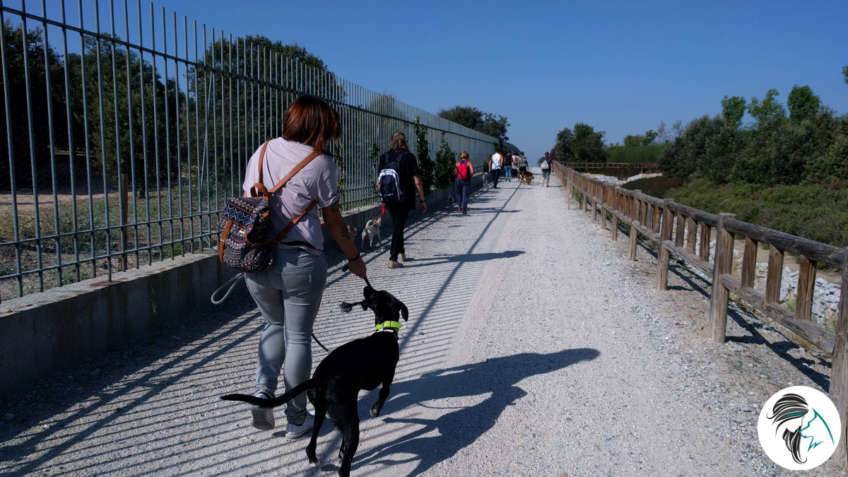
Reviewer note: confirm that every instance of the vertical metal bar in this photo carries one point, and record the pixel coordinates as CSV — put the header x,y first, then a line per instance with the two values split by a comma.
x,y
233,174
168,135
32,158
206,125
87,144
144,156
71,149
103,161
16,235
154,79
239,69
131,136
214,101
197,157
177,135
187,133
252,110
118,166
52,141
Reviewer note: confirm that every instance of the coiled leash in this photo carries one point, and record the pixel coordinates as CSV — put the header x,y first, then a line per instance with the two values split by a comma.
x,y
230,285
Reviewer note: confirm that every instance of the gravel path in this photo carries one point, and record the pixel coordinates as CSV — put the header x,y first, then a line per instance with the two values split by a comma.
x,y
534,348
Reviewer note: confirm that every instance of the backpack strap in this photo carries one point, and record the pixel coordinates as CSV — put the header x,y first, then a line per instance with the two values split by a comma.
x,y
300,165
260,189
294,221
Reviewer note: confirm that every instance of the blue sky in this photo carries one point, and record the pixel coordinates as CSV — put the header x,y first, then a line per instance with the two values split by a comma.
x,y
620,66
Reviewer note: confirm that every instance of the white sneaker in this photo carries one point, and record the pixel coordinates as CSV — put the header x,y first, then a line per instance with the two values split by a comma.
x,y
263,418
402,257
395,264
293,431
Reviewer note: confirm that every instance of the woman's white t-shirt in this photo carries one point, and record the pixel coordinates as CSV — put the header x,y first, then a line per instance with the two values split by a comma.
x,y
318,181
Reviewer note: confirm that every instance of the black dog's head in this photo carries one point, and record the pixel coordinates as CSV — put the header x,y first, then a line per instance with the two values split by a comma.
x,y
384,305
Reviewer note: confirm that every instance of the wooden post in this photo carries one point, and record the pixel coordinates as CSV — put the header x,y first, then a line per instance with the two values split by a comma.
x,y
839,373
680,230
634,239
691,235
720,294
665,234
706,233
656,220
614,227
806,288
774,275
749,263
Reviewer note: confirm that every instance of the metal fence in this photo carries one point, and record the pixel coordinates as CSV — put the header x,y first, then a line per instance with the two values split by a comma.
x,y
124,139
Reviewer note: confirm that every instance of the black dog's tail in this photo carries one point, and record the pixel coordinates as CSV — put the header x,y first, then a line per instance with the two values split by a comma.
x,y
263,402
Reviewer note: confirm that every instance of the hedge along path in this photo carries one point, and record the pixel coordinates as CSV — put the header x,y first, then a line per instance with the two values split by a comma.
x,y
674,229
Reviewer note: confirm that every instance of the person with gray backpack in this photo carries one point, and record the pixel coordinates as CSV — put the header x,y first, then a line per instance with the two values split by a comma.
x,y
397,183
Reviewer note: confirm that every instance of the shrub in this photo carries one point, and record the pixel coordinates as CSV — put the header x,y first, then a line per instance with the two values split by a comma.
x,y
444,172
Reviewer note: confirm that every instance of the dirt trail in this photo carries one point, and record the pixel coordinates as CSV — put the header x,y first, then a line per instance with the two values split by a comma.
x,y
534,348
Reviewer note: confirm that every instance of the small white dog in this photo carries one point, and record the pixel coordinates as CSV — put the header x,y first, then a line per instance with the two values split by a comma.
x,y
371,232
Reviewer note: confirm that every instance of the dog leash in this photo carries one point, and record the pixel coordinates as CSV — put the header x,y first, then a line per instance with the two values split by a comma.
x,y
346,268
230,285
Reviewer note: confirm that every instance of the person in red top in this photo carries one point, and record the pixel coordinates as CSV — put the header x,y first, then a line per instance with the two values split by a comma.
x,y
462,182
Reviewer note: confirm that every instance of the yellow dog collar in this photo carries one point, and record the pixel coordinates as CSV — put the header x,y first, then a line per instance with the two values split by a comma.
x,y
392,325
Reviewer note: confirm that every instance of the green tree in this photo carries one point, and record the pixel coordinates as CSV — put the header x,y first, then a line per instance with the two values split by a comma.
x,y
588,144
445,165
563,148
732,110
487,123
685,156
803,104
422,148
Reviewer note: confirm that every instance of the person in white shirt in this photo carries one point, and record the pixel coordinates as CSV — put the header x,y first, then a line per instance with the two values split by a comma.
x,y
546,169
497,164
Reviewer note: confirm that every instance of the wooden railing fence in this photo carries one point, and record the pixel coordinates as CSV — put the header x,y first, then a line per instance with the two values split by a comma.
x,y
684,232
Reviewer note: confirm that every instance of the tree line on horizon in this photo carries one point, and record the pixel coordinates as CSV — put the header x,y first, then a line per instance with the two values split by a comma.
x,y
803,141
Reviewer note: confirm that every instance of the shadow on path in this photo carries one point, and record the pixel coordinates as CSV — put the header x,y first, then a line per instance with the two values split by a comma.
x,y
440,259
497,378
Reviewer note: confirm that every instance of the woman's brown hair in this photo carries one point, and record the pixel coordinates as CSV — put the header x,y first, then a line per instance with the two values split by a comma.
x,y
311,121
398,141
463,155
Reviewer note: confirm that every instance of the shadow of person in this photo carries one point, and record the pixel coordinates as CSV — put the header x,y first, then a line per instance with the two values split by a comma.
x,y
440,259
495,378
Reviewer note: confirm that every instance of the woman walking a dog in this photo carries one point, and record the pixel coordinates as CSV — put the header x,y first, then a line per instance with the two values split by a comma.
x,y
289,293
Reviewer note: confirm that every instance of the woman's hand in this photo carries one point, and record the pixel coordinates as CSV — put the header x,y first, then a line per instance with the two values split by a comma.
x,y
357,267
338,230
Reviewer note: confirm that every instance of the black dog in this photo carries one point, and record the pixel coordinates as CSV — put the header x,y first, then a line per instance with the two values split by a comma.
x,y
360,364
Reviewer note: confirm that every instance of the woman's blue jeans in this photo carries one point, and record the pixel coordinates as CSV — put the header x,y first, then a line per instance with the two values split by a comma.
x,y
288,296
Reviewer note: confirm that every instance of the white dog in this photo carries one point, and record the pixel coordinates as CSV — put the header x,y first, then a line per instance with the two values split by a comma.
x,y
371,232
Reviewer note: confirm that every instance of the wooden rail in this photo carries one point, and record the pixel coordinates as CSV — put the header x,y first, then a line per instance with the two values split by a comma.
x,y
684,232
613,165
